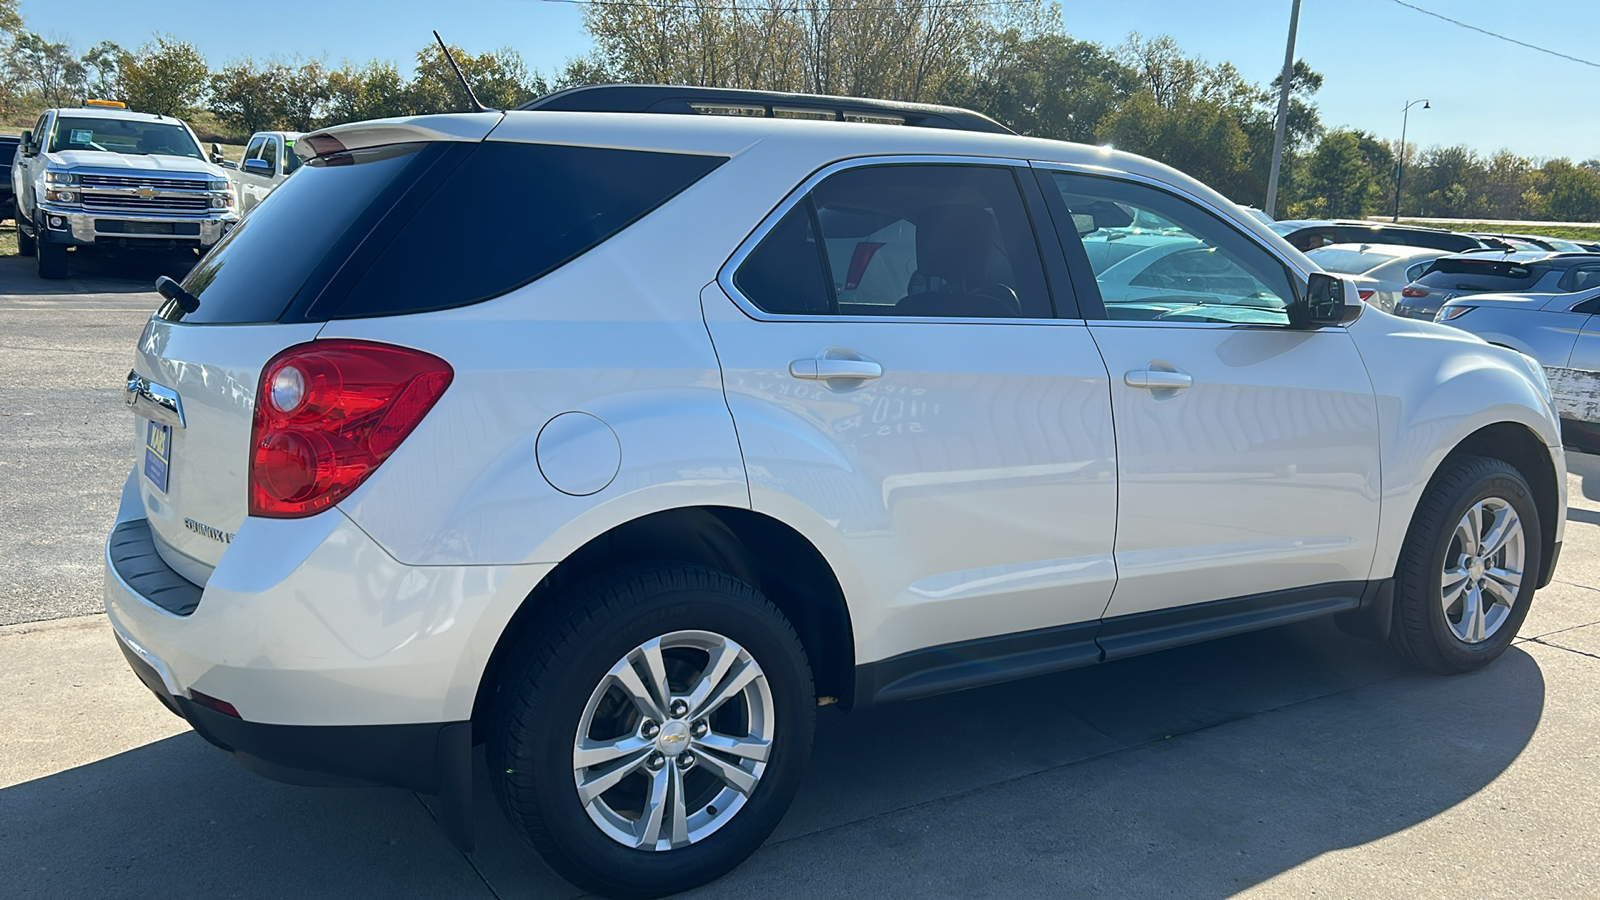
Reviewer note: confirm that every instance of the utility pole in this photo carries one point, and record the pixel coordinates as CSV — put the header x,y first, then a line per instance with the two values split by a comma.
x,y
1283,113
1400,167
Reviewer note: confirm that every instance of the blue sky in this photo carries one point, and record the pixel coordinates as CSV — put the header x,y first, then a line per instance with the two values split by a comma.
x,y
1375,54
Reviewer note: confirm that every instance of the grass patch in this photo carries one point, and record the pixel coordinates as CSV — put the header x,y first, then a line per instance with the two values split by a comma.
x,y
1559,231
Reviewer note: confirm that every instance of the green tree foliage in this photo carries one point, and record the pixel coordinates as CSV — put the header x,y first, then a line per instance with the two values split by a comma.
x,y
1048,85
1347,175
499,78
273,96
165,76
45,71
375,90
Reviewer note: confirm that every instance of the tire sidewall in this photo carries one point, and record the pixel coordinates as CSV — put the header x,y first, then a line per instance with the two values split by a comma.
x,y
1507,486
545,747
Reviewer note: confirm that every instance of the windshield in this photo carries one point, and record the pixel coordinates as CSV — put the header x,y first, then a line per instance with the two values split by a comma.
x,y
123,136
1347,262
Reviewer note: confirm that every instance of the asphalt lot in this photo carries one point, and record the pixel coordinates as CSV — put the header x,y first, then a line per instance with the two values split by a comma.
x,y
1293,762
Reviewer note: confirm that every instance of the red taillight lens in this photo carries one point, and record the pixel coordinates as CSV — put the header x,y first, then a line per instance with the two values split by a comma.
x,y
328,413
1409,291
1365,295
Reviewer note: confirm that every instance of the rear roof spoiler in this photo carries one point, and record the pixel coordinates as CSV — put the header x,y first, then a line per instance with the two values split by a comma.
x,y
465,127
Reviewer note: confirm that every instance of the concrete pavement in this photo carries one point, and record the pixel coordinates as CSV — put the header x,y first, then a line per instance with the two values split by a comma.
x,y
1290,763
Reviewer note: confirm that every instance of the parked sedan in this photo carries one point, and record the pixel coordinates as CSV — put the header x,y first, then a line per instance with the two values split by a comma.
x,y
1311,234
1380,271
1465,274
1539,241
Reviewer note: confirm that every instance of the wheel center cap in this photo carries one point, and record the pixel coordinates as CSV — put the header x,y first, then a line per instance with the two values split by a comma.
x,y
674,738
1475,569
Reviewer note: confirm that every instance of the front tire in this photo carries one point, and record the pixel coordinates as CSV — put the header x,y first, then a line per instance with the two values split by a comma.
x,y
52,260
1468,568
655,731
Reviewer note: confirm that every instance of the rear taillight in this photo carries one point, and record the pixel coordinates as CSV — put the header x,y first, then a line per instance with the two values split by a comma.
x,y
328,413
1365,295
1410,291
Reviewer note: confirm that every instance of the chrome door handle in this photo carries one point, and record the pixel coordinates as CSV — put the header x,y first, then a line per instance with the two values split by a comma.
x,y
1158,379
827,368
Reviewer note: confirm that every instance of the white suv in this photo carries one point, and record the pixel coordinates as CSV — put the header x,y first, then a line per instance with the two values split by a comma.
x,y
623,441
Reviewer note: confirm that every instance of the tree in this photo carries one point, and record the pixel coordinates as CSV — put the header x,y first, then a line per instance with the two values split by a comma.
x,y
499,78
273,96
357,93
44,71
1345,176
102,66
165,76
1049,86
1574,192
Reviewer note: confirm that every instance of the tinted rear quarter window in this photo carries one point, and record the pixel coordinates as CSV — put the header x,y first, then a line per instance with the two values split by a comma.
x,y
258,269
1484,276
414,227
510,214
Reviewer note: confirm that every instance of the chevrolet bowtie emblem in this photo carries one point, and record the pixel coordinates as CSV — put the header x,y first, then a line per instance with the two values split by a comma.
x,y
146,192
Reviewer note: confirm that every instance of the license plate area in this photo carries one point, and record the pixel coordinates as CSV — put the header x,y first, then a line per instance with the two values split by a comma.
x,y
157,454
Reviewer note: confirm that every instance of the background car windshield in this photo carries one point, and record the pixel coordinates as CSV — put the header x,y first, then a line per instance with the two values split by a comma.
x,y
123,136
1348,262
1478,275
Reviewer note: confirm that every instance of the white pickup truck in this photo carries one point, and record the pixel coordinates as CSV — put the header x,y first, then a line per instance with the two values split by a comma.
x,y
107,177
268,159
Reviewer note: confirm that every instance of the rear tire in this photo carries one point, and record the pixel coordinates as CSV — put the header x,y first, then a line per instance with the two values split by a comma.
x,y
52,260
1468,568
582,668
26,246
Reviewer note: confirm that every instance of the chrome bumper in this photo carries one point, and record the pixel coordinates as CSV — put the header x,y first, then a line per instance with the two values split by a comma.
x,y
80,227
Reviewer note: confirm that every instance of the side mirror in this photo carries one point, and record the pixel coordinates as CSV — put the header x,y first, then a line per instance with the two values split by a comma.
x,y
258,167
27,143
216,153
1329,301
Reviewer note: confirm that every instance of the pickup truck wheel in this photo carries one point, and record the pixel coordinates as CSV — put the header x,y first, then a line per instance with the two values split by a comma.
x,y
52,260
655,730
26,246
1468,568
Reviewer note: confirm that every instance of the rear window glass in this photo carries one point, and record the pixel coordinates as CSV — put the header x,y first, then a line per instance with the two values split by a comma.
x,y
1483,276
254,272
1348,262
510,214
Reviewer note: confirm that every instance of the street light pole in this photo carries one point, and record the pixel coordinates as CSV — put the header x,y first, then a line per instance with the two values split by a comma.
x,y
1283,113
1400,170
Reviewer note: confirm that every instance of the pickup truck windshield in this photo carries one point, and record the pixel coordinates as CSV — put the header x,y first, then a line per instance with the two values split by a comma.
x,y
123,136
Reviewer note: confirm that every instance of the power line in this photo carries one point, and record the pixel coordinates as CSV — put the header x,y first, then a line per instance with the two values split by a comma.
x,y
1511,40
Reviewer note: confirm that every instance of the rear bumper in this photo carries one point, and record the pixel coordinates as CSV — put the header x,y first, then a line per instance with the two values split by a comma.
x,y
416,757
343,665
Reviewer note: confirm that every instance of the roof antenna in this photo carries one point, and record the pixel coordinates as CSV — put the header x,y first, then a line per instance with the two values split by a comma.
x,y
476,105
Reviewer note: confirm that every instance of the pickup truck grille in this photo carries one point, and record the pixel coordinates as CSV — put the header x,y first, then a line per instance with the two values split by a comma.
x,y
160,184
129,203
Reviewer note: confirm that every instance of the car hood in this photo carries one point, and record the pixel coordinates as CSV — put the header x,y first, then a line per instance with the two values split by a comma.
x,y
149,164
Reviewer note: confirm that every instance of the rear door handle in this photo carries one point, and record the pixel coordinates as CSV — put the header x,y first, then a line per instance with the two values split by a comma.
x,y
828,368
1158,379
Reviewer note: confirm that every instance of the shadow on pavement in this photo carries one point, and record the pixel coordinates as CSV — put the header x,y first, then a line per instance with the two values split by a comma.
x,y
95,271
1284,745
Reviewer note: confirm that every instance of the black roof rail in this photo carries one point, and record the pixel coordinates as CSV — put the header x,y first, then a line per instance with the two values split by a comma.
x,y
683,100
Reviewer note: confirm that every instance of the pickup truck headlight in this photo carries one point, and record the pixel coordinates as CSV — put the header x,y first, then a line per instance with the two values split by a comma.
x,y
1451,313
222,200
61,177
56,196
223,185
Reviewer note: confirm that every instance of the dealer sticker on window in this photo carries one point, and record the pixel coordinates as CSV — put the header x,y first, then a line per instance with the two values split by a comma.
x,y
157,453
82,136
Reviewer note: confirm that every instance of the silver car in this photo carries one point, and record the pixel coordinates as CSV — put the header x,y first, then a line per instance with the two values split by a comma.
x,y
1380,271
1560,329
1488,272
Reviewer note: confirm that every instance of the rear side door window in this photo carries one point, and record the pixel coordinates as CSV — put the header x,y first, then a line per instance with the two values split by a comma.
x,y
1157,257
253,151
1581,278
908,240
